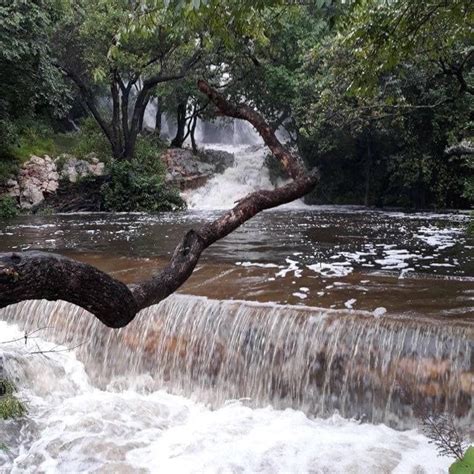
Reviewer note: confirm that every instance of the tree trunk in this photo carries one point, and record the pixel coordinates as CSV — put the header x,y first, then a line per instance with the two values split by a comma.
x,y
159,106
38,275
368,166
178,140
142,118
192,133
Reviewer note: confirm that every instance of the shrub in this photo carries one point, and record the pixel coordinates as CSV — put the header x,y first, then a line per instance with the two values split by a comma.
x,y
34,138
10,406
90,139
8,208
8,167
139,184
470,225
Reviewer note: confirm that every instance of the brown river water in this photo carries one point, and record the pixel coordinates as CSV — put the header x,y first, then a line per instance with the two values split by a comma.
x,y
343,258
361,313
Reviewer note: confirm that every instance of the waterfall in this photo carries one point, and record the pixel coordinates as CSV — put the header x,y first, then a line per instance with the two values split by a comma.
x,y
248,174
316,360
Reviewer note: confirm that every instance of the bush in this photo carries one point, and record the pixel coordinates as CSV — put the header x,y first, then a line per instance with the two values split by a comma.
x,y
139,184
34,142
8,208
10,406
91,139
9,167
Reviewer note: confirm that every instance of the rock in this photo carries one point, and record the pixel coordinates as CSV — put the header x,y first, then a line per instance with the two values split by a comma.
x,y
37,178
11,188
187,170
74,169
219,159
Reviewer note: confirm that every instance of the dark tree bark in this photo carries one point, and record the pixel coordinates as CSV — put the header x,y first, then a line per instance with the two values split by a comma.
x,y
178,140
368,168
192,133
121,130
463,148
38,275
158,118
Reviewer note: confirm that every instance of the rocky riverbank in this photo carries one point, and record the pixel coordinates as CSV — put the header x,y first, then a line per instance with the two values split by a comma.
x,y
69,184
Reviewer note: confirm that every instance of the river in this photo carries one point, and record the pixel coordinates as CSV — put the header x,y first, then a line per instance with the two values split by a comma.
x,y
312,339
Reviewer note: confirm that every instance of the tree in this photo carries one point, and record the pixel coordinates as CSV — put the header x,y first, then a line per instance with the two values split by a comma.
x,y
377,110
116,63
37,275
28,80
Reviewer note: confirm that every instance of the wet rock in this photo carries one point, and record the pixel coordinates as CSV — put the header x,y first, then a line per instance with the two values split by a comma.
x,y
74,169
219,159
187,170
38,177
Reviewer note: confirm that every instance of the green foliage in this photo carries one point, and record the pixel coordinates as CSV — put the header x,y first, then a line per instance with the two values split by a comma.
x,y
36,139
30,81
8,167
139,184
465,465
90,139
8,207
10,406
383,35
470,225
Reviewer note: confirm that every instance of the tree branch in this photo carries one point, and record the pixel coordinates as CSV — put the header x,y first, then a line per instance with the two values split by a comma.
x,y
291,163
465,147
39,275
88,99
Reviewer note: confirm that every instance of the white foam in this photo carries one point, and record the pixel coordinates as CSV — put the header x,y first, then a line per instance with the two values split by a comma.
x,y
78,428
257,264
222,191
339,269
350,303
439,238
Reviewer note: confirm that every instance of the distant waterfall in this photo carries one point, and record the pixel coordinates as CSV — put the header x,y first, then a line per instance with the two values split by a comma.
x,y
248,174
316,360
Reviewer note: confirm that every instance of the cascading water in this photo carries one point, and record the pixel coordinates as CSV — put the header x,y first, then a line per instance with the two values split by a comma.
x,y
74,427
248,174
319,361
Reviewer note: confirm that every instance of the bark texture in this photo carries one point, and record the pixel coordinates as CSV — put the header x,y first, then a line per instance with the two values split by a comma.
x,y
39,275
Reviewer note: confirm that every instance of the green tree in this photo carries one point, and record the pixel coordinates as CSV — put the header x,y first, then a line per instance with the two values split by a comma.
x,y
116,63
31,85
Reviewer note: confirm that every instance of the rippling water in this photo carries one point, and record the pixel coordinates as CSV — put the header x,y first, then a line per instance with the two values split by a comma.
x,y
323,256
375,312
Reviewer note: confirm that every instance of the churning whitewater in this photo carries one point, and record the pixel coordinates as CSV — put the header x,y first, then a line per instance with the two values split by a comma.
x,y
73,426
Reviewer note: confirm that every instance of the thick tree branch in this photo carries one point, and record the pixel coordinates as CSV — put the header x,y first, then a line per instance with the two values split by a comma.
x,y
38,275
291,163
152,81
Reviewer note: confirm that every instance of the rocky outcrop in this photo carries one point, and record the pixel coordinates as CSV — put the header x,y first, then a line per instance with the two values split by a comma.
x,y
40,177
74,169
187,170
